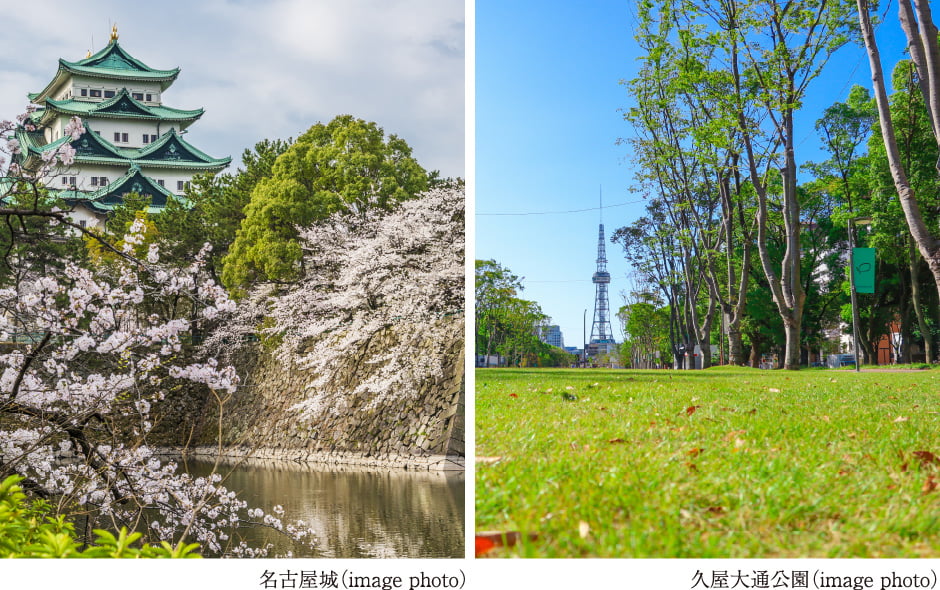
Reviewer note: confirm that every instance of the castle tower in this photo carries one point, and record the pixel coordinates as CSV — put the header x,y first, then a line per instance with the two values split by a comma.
x,y
132,142
602,334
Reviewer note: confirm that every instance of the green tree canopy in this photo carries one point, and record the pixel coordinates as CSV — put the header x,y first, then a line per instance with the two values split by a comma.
x,y
346,164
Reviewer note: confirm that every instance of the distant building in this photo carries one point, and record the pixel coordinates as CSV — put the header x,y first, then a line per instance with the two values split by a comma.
x,y
551,335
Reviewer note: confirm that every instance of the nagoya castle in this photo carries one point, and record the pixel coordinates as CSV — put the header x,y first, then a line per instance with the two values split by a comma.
x,y
132,142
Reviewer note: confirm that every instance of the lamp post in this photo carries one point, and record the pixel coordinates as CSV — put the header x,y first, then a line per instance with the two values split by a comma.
x,y
853,221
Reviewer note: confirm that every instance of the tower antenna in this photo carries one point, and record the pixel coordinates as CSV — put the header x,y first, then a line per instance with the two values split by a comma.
x,y
602,333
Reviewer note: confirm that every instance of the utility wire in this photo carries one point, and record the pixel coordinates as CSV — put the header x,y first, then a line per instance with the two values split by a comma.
x,y
569,211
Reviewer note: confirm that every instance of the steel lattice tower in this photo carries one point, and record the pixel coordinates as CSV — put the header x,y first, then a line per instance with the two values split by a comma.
x,y
601,330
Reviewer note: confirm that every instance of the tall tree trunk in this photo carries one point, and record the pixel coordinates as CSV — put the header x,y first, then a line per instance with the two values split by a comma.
x,y
927,244
913,262
735,342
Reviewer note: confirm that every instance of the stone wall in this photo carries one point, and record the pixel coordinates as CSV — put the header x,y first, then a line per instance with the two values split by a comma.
x,y
423,431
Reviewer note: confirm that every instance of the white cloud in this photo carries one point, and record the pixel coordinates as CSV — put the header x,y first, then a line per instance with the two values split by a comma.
x,y
268,69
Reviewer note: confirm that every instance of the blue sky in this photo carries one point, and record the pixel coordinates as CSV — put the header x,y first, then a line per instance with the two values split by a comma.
x,y
266,69
548,117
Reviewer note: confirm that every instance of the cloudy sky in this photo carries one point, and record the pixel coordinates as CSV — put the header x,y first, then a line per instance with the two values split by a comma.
x,y
266,69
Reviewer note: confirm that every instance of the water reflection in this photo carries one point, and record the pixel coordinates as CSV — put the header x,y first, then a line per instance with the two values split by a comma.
x,y
355,512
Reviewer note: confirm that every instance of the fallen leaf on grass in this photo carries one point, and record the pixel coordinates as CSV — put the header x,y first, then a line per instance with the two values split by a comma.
x,y
513,395
488,460
616,441
584,529
691,410
929,485
716,510
773,390
901,419
695,452
691,466
486,541
728,410
926,457
844,472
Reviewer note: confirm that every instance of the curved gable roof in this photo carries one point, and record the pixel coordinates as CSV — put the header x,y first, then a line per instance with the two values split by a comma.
x,y
122,106
113,63
133,181
171,147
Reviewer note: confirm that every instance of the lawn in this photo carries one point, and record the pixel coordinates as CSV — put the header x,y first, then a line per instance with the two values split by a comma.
x,y
726,462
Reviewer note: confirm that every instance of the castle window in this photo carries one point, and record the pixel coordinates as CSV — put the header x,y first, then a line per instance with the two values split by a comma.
x,y
137,95
83,223
94,93
117,136
146,138
124,137
160,182
94,181
103,181
84,92
149,97
180,184
109,94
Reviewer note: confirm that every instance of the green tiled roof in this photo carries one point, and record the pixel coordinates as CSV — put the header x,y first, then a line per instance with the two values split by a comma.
x,y
112,63
169,151
171,147
110,196
121,106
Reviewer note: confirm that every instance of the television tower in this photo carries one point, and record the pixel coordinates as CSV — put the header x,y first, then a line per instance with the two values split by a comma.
x,y
602,334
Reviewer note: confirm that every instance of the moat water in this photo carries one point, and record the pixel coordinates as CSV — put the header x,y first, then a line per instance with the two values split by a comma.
x,y
354,512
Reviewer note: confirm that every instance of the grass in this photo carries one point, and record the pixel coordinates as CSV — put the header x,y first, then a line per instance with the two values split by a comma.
x,y
726,462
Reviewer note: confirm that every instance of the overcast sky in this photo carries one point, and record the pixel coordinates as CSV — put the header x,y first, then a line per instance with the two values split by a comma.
x,y
266,69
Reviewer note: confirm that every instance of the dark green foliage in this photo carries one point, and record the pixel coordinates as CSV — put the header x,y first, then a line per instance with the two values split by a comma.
x,y
346,164
214,207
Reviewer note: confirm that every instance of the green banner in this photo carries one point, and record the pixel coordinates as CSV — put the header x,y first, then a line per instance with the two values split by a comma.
x,y
863,261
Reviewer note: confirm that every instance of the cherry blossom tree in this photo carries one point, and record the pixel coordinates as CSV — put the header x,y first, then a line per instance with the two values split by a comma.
x,y
88,363
370,274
